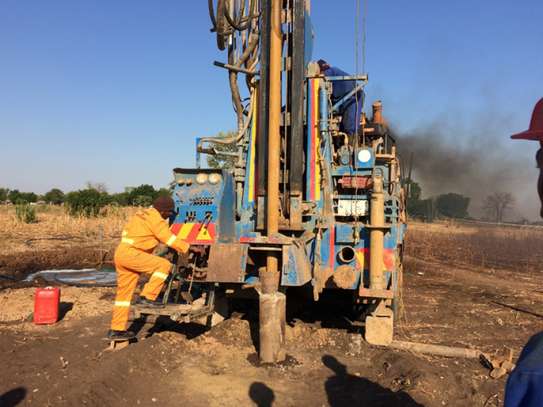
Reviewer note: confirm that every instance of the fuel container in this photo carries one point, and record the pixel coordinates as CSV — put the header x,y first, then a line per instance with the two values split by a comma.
x,y
46,305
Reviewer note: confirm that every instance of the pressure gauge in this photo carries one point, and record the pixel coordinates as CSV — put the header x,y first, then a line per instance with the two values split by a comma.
x,y
201,178
214,178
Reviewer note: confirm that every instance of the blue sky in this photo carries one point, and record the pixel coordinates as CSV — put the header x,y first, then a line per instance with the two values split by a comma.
x,y
116,91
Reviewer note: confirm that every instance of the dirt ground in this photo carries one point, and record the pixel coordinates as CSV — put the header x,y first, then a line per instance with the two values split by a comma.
x,y
463,286
445,302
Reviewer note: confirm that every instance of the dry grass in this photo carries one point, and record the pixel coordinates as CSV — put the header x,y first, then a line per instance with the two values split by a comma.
x,y
55,228
500,247
487,246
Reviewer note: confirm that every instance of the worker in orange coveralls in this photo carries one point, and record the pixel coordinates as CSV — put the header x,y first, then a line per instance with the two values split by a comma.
x,y
141,235
525,384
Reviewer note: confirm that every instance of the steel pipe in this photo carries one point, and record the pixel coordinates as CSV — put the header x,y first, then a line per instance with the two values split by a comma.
x,y
272,303
272,224
377,223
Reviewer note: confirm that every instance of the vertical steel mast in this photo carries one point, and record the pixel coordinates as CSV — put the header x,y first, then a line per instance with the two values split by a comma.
x,y
273,303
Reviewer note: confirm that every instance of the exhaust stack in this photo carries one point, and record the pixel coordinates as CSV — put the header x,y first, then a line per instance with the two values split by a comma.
x,y
377,108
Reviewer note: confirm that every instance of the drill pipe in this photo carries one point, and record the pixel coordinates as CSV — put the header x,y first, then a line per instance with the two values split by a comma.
x,y
272,303
274,125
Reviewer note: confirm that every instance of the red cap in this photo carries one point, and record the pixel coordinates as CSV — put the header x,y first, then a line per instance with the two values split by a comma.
x,y
535,132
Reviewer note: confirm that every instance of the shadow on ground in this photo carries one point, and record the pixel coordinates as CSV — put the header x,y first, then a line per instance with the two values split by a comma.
x,y
261,394
165,324
344,389
13,397
63,309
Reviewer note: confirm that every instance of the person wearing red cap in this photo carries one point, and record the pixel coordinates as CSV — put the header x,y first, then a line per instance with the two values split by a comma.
x,y
145,230
535,133
524,387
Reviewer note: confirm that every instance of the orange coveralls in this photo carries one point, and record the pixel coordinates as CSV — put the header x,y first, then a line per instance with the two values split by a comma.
x,y
133,256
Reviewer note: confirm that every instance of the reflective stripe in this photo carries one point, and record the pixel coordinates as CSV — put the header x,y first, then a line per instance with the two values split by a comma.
x,y
122,303
171,240
127,240
158,274
185,230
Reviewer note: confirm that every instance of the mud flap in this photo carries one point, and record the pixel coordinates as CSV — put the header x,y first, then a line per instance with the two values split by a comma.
x,y
226,263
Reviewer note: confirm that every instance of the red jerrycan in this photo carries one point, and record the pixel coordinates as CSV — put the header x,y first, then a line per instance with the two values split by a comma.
x,y
46,305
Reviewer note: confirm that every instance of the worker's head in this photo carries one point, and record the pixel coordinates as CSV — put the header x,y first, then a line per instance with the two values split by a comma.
x,y
164,205
535,133
323,65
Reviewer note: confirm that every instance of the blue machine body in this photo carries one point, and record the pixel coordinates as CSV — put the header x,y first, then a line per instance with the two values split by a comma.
x,y
219,208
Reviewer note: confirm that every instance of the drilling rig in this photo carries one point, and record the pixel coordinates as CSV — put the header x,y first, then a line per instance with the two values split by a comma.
x,y
306,203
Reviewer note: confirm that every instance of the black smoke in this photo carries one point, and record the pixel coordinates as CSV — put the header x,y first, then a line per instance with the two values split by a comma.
x,y
472,162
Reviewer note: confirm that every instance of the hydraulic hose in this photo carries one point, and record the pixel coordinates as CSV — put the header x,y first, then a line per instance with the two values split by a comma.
x,y
237,28
237,137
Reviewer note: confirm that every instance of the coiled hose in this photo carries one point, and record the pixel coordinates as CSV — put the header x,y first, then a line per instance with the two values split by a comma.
x,y
236,25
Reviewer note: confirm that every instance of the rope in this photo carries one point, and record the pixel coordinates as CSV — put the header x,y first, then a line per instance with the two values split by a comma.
x,y
364,31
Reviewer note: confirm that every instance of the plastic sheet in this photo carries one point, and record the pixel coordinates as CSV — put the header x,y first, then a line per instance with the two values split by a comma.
x,y
80,278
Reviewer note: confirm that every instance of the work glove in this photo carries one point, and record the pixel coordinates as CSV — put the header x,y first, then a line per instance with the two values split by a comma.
x,y
161,250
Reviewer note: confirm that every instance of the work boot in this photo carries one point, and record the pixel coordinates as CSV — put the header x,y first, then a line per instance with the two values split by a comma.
x,y
120,335
145,302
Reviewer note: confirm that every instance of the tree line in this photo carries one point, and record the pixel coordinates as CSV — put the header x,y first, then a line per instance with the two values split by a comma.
x,y
451,205
88,201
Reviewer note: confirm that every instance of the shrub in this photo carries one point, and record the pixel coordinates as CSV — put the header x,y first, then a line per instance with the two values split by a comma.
x,y
25,213
86,202
146,191
142,200
4,194
120,199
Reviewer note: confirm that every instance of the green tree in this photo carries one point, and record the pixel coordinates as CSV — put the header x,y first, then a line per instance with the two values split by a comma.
x,y
418,207
452,205
4,194
29,197
120,199
226,160
145,190
54,196
163,192
15,196
414,204
142,200
415,191
86,202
